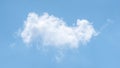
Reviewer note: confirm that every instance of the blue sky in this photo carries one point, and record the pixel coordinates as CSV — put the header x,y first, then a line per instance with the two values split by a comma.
x,y
103,50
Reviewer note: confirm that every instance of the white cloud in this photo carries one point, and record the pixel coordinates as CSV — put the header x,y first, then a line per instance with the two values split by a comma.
x,y
48,30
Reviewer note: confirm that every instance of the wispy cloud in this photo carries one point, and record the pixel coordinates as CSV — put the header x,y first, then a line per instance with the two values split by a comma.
x,y
104,26
48,30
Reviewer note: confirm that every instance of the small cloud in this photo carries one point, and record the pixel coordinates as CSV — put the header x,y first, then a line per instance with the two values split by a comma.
x,y
50,31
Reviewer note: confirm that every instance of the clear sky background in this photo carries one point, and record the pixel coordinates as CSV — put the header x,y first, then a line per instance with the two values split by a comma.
x,y
103,51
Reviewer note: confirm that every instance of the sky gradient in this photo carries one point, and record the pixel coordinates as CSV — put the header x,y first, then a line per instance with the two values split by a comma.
x,y
102,51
